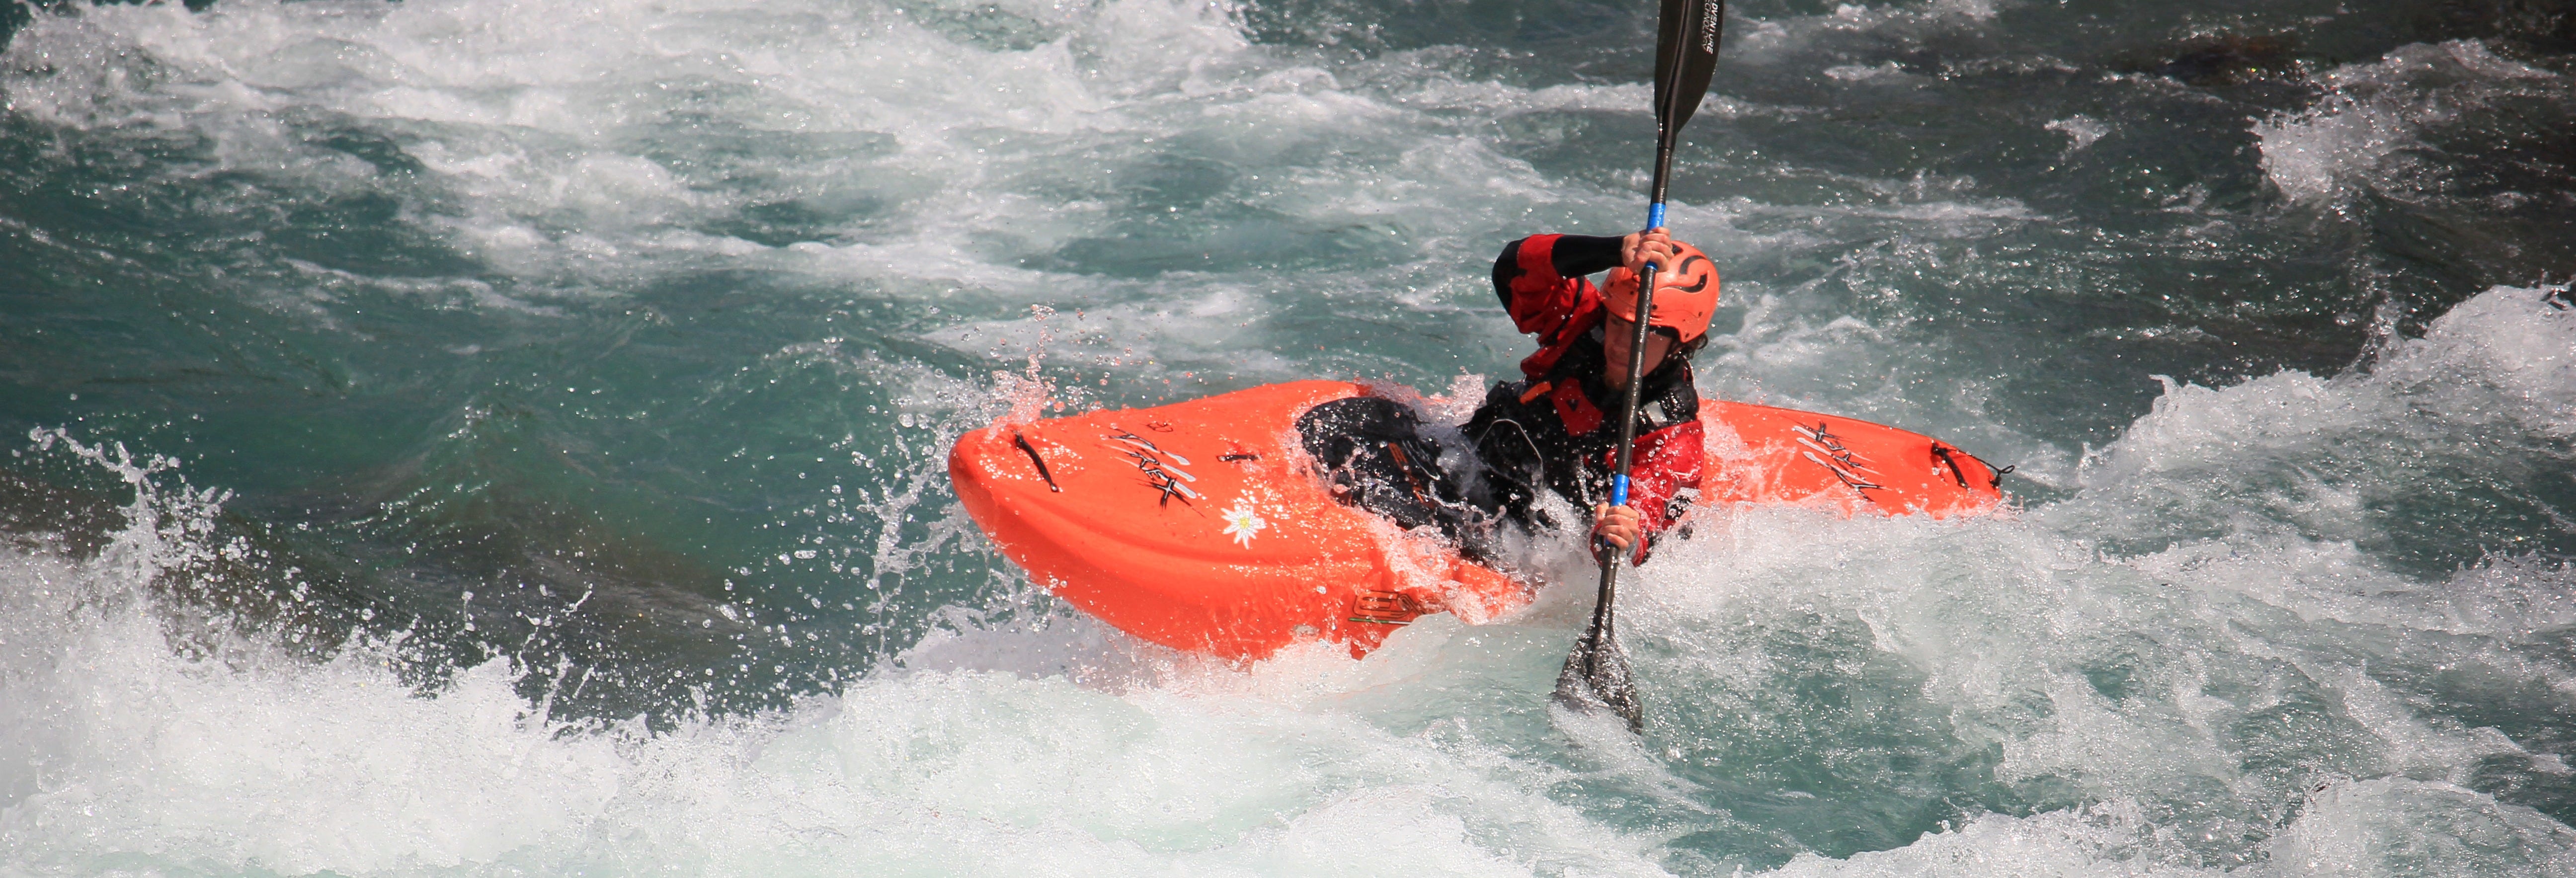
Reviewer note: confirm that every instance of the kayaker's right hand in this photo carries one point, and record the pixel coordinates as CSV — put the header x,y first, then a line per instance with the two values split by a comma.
x,y
1652,245
1616,525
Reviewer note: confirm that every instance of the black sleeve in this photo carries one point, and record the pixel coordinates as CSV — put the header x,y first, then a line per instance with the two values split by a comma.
x,y
1579,255
1574,256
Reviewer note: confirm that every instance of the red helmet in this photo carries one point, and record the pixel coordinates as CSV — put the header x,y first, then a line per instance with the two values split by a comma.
x,y
1685,293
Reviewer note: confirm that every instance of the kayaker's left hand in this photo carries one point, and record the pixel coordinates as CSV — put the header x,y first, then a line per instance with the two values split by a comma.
x,y
1616,524
1652,245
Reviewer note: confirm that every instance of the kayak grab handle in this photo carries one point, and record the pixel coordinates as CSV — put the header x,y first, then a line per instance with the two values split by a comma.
x,y
1023,443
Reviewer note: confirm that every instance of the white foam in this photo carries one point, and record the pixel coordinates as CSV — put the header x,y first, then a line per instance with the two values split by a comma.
x,y
122,748
2510,351
556,130
278,765
2213,681
2358,133
2101,842
537,118
2081,131
1883,73
2394,826
247,757
2287,449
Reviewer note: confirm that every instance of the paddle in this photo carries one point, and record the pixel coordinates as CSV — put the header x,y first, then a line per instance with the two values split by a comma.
x,y
1596,673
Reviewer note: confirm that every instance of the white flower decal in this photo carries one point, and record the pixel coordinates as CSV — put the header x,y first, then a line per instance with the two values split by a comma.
x,y
1242,523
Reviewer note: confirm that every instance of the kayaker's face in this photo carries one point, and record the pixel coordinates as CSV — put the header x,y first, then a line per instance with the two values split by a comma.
x,y
1616,333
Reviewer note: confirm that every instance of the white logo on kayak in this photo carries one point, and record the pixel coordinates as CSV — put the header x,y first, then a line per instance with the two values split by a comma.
x,y
1242,523
1162,468
1846,464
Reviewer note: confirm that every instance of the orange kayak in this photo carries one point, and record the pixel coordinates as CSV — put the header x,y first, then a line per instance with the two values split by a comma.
x,y
1205,526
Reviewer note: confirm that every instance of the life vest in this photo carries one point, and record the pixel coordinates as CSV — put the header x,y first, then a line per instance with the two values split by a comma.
x,y
1553,429
1554,434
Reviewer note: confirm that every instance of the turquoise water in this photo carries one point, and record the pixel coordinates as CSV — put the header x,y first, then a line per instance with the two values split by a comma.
x,y
507,436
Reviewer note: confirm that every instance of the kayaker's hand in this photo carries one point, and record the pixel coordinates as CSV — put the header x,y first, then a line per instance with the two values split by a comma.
x,y
1652,245
1617,524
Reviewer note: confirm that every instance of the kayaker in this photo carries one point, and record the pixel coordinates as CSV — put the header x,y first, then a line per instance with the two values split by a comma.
x,y
1554,429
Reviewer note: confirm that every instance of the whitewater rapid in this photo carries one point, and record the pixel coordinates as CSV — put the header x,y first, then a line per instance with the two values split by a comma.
x,y
2240,700
503,437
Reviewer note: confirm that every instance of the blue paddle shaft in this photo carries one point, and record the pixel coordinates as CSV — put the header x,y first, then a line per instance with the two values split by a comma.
x,y
1619,482
1636,369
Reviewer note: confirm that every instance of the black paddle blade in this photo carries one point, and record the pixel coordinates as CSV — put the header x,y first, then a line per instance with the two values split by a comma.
x,y
1685,57
1595,678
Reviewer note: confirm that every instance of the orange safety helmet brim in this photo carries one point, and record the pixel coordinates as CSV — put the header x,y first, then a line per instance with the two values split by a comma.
x,y
1685,293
